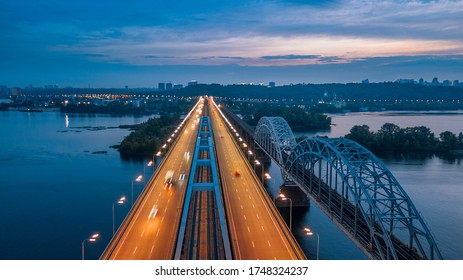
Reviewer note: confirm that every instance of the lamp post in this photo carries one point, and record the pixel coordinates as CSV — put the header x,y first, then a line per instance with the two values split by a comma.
x,y
259,163
249,154
138,179
283,197
310,233
92,238
149,164
120,201
268,177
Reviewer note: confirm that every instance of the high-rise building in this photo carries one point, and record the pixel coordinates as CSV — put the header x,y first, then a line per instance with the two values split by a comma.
x,y
271,84
161,86
192,83
168,86
178,86
455,83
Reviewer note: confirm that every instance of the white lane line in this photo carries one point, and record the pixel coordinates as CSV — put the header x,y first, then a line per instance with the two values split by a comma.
x,y
257,216
152,249
270,245
136,247
244,217
249,197
157,233
142,232
275,258
249,229
239,198
247,190
253,206
253,246
241,207
262,227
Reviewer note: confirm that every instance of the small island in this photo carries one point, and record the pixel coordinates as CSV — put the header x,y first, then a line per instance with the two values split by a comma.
x,y
145,140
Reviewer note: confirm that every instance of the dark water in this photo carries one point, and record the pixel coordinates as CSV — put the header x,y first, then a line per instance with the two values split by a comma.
x,y
54,192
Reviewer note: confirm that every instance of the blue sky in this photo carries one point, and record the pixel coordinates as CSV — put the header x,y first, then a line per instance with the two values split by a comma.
x,y
140,43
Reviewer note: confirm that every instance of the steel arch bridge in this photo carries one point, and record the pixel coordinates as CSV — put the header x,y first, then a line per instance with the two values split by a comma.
x,y
354,188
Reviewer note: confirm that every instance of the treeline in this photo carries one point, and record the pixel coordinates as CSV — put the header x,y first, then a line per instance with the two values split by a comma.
x,y
391,139
371,91
146,139
297,118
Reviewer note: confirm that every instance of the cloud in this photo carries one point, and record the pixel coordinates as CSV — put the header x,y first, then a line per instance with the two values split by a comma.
x,y
290,56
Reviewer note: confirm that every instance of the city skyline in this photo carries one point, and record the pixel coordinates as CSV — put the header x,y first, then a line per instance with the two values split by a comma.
x,y
107,44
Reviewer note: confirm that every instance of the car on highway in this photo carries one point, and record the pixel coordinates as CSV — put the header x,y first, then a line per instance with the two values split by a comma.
x,y
237,174
153,212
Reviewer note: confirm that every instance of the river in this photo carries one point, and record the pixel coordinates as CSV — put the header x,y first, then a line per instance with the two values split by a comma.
x,y
55,191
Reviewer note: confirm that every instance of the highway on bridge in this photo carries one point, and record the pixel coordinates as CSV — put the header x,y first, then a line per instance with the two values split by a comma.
x,y
150,229
257,230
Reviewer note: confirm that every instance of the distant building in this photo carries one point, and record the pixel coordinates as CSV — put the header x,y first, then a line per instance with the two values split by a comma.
x,y
4,90
168,86
456,83
446,83
405,81
192,83
126,87
178,86
161,86
50,87
366,81
435,81
15,91
421,81
271,84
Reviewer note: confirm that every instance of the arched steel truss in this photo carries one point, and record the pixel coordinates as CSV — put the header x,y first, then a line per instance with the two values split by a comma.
x,y
355,188
275,135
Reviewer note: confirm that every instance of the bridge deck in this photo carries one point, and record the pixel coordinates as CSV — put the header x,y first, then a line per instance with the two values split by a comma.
x,y
257,230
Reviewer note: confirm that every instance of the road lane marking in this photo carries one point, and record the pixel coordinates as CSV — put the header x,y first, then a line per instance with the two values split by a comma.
x,y
241,207
152,249
142,232
249,229
157,233
253,206
239,197
270,245
245,217
136,247
249,197
257,216
253,246
262,227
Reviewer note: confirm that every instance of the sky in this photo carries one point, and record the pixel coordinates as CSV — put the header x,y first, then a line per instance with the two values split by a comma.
x,y
112,43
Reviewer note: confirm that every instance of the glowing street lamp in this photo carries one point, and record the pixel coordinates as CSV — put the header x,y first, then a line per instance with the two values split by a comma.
x,y
283,197
120,201
138,179
308,232
92,239
259,163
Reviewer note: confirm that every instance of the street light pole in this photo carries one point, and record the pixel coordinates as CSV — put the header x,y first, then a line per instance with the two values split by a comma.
x,y
283,197
92,238
262,169
138,180
310,233
120,201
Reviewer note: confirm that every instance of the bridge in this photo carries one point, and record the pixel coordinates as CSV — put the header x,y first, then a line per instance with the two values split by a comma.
x,y
352,187
204,201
